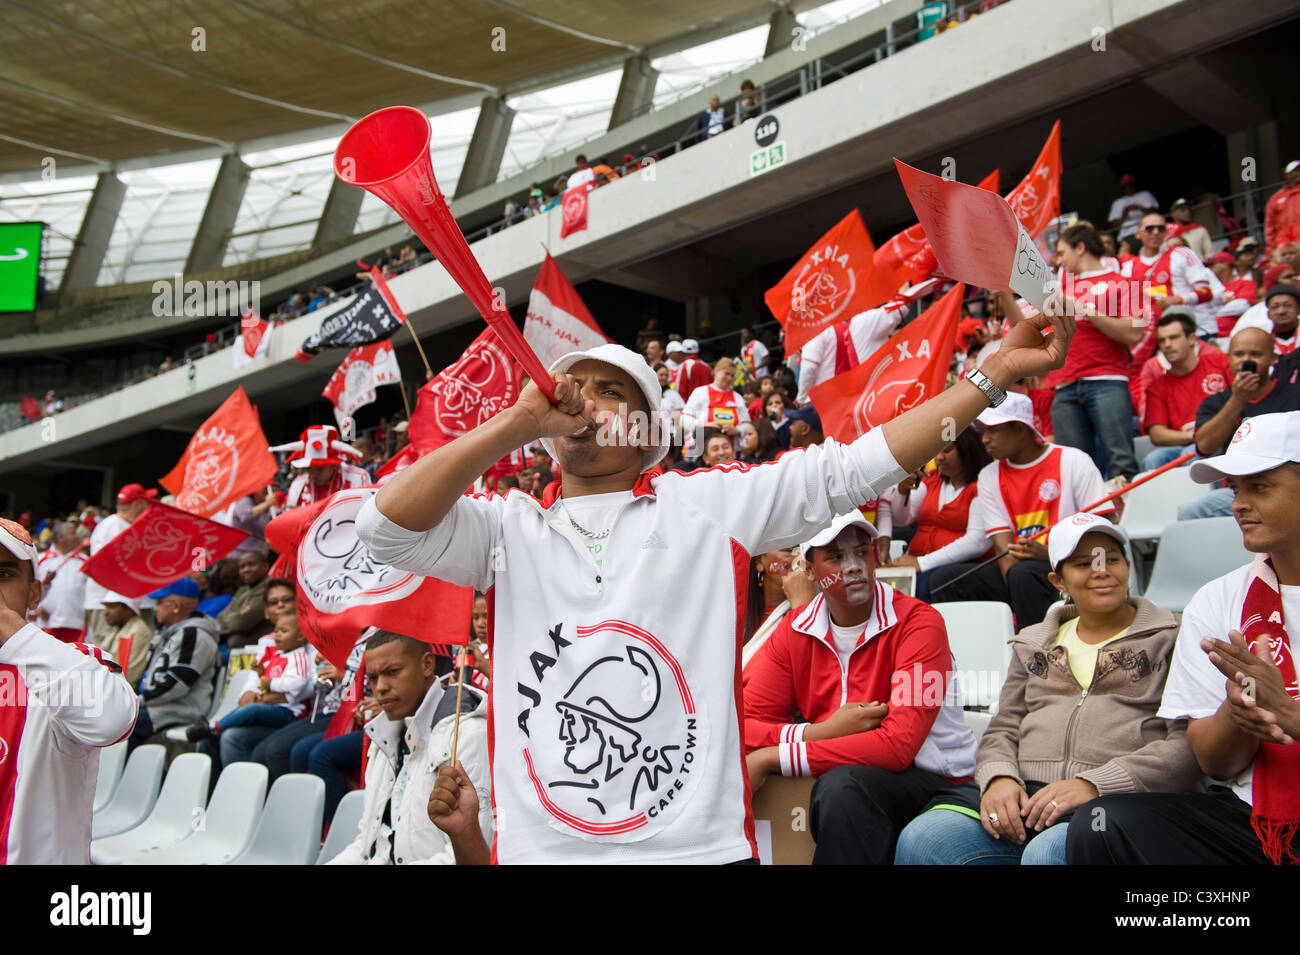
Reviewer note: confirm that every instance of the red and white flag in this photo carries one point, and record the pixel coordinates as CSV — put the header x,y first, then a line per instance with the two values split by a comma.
x,y
831,283
1036,200
558,322
161,546
482,382
910,368
573,209
354,381
342,588
908,257
226,459
254,340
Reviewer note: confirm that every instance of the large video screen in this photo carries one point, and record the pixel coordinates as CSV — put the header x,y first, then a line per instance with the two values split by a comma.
x,y
20,265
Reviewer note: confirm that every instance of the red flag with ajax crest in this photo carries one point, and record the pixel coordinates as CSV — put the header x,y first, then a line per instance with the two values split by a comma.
x,y
161,546
482,382
833,281
910,368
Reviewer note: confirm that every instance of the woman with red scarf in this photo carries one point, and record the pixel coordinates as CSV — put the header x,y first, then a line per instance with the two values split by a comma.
x,y
941,508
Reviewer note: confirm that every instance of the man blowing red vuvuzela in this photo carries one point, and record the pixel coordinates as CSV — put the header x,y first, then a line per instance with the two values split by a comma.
x,y
615,714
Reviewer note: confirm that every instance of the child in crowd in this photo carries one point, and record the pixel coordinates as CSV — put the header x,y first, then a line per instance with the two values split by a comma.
x,y
284,662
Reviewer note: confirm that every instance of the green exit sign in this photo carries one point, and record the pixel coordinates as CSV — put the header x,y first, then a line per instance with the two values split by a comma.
x,y
768,158
20,265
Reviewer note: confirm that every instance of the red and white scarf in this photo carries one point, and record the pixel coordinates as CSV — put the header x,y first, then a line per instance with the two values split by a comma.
x,y
1275,814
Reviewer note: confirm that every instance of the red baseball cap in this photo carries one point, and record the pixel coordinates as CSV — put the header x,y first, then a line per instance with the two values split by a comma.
x,y
134,492
1223,257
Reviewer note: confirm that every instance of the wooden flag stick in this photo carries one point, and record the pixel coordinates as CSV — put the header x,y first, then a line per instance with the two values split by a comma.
x,y
405,400
460,689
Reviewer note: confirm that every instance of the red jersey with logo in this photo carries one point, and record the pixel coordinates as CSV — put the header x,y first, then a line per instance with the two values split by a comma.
x,y
1024,499
1093,354
1172,400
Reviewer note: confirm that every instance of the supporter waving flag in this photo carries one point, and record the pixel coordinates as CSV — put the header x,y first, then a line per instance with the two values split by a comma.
x,y
343,588
368,318
908,369
832,282
353,383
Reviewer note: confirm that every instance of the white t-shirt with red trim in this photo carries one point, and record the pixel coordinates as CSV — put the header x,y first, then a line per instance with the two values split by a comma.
x,y
1023,499
754,354
615,721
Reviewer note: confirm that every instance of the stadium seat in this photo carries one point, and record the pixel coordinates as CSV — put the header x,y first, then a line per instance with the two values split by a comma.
x,y
111,760
1142,446
135,795
173,817
1192,553
978,631
241,681
978,722
897,549
1149,509
289,831
218,691
344,828
228,824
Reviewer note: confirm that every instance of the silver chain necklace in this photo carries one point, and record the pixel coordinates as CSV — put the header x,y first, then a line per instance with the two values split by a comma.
x,y
582,530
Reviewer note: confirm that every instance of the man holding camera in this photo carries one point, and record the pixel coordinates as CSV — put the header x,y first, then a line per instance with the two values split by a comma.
x,y
1254,391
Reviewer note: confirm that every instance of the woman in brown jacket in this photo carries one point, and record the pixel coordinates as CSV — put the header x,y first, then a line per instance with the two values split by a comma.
x,y
1076,718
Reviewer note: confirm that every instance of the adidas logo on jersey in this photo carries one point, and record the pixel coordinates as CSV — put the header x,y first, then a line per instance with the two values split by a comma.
x,y
654,542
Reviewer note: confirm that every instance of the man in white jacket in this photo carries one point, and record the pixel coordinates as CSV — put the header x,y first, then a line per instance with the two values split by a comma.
x,y
59,703
409,741
617,613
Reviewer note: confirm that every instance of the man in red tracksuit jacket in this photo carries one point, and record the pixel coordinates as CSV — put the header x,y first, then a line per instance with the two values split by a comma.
x,y
871,671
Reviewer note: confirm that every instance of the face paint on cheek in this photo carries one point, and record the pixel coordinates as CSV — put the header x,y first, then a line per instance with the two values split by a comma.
x,y
826,583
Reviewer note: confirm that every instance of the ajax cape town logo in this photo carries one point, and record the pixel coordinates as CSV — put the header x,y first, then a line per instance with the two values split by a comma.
x,y
210,471
824,287
613,740
336,571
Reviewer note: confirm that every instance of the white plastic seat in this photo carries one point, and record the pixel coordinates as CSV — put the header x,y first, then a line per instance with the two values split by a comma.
x,y
289,831
1142,446
175,814
978,722
218,690
135,795
896,549
112,759
978,631
1191,554
241,681
345,825
1151,508
227,825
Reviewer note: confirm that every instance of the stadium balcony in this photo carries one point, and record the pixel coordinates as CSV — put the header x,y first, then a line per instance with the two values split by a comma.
x,y
980,92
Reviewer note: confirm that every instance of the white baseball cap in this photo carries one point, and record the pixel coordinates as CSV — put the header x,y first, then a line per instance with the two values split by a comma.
x,y
690,346
836,527
1262,443
1064,538
1293,165
645,377
1017,407
674,346
1259,320
15,539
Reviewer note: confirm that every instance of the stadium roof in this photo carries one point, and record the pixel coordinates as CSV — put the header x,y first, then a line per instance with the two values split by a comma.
x,y
105,81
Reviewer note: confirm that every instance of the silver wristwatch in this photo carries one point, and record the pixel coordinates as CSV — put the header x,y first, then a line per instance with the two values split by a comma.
x,y
992,392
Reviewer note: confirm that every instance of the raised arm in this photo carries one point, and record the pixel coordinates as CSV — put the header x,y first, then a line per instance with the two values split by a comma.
x,y
419,497
917,435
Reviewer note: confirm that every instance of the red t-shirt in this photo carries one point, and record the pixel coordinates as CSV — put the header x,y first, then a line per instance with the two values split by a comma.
x,y
1172,400
1092,354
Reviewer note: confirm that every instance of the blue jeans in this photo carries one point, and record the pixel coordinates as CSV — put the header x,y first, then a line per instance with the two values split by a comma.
x,y
1159,457
946,837
1218,503
243,728
332,760
275,752
1085,413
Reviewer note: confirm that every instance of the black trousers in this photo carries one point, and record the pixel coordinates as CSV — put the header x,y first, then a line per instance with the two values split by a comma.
x,y
1026,587
857,812
1164,829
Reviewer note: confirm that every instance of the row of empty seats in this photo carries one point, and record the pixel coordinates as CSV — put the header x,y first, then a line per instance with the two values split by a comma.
x,y
142,818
